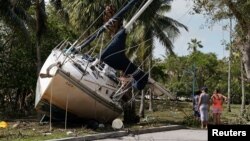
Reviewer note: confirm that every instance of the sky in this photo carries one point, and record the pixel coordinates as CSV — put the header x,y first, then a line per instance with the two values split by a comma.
x,y
211,38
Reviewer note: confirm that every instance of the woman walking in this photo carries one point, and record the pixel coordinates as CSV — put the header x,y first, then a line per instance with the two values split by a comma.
x,y
204,107
217,103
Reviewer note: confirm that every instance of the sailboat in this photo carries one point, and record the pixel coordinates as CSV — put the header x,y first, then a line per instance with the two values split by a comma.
x,y
87,87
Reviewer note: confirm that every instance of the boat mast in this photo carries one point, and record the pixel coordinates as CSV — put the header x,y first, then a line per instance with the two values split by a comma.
x,y
136,16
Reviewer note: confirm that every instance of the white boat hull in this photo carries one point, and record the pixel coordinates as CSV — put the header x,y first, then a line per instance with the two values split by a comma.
x,y
69,91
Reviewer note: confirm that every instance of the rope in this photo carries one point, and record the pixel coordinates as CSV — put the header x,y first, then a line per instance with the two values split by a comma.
x,y
127,48
120,94
101,47
95,46
131,61
66,112
50,107
123,92
138,80
90,26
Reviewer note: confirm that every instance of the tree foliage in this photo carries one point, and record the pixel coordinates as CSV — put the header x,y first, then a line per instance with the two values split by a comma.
x,y
18,55
178,72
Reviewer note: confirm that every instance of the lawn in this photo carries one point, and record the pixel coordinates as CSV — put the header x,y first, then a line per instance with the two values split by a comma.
x,y
165,113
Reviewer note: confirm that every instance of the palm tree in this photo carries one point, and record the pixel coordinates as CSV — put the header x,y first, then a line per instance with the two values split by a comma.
x,y
155,24
194,45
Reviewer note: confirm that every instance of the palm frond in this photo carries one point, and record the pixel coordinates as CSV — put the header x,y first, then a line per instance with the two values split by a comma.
x,y
164,40
165,24
172,21
164,8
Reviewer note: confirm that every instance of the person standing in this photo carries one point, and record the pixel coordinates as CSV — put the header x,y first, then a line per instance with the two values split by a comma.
x,y
217,105
195,105
204,107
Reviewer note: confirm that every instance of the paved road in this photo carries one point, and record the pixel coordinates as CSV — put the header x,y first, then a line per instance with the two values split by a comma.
x,y
174,135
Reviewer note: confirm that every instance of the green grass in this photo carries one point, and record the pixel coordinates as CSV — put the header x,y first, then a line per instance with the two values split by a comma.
x,y
165,113
234,117
33,131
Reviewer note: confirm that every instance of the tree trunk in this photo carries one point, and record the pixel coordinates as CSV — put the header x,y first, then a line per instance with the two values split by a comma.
x,y
150,108
141,112
129,113
229,86
242,110
38,67
229,70
40,30
245,50
38,55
